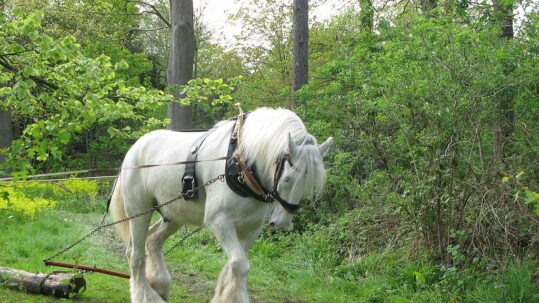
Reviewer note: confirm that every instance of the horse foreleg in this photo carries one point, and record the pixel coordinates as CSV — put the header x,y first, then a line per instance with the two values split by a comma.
x,y
232,283
247,238
140,289
156,270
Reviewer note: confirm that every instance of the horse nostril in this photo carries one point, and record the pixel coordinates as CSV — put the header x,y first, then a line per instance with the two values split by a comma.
x,y
272,224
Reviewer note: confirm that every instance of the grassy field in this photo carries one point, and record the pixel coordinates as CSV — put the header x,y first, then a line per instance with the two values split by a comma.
x,y
26,241
296,267
194,266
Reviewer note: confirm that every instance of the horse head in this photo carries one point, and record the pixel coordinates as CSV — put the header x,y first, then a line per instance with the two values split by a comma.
x,y
302,173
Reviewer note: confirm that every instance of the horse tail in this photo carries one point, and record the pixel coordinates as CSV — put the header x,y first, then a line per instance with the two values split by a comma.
x,y
117,211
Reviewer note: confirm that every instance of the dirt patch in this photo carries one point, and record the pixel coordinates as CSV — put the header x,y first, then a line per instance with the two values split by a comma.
x,y
195,284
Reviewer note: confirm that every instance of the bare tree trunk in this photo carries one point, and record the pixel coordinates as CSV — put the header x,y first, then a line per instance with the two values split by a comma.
x,y
181,59
428,5
505,114
300,68
367,15
6,131
503,11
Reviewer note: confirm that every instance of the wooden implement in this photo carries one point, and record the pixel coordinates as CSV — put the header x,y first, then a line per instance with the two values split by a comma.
x,y
63,285
88,268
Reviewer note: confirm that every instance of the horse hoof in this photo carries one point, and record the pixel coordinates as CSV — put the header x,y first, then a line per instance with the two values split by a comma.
x,y
148,297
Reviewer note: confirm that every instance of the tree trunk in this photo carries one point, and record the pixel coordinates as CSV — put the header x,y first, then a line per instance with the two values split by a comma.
x,y
366,15
6,128
300,68
428,5
6,131
59,285
503,11
181,59
504,123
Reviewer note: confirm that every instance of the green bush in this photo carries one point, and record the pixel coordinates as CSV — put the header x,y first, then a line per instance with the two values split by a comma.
x,y
30,198
412,110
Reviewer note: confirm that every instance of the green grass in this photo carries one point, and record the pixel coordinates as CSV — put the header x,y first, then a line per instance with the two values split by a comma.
x,y
284,268
25,242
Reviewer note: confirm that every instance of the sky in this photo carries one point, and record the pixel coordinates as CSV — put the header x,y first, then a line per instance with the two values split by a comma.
x,y
216,12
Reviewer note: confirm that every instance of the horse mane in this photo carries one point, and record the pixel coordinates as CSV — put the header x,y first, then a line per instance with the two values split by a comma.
x,y
264,138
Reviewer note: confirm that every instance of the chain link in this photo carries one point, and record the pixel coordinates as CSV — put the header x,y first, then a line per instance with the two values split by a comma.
x,y
180,242
149,210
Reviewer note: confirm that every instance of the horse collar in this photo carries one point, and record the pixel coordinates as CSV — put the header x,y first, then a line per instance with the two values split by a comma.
x,y
244,181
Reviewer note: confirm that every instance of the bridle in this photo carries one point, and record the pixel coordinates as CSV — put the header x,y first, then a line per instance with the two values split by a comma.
x,y
291,208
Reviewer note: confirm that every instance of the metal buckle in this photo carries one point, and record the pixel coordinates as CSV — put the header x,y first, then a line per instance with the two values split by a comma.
x,y
190,193
236,129
241,178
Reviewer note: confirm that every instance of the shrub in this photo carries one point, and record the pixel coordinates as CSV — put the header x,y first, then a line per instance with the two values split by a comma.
x,y
32,197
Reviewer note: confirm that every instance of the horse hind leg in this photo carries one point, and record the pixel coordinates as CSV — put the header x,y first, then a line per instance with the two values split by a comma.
x,y
156,270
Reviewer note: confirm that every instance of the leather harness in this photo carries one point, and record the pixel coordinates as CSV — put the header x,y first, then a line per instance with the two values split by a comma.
x,y
189,180
240,178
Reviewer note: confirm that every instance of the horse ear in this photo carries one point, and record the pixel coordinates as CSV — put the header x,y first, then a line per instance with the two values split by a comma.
x,y
324,147
293,149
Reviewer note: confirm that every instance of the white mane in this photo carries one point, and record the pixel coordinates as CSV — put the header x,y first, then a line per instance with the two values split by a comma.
x,y
264,137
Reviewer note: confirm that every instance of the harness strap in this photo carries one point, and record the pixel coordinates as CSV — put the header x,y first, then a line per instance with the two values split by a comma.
x,y
253,182
189,179
176,163
236,170
156,165
233,171
291,208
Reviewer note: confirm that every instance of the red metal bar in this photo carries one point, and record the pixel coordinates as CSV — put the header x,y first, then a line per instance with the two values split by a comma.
x,y
88,268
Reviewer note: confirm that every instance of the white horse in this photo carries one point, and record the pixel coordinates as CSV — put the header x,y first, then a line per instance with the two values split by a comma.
x,y
236,221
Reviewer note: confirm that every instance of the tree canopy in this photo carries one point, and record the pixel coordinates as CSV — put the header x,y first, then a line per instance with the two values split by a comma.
x,y
56,93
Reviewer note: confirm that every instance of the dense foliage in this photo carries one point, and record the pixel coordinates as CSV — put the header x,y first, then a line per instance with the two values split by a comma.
x,y
56,94
412,109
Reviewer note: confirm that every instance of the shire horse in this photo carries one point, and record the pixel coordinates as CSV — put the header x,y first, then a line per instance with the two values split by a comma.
x,y
266,137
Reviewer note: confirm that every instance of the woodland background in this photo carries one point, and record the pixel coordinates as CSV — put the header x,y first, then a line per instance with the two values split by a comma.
x,y
432,181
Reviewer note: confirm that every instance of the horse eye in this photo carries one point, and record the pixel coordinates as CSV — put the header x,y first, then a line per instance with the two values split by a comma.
x,y
286,179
